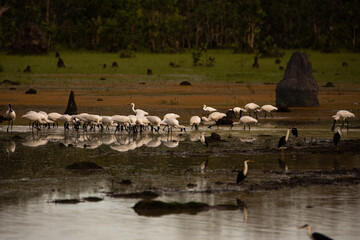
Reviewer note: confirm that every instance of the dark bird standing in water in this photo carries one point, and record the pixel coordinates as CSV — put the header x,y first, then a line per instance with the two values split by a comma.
x,y
315,235
283,140
243,173
294,131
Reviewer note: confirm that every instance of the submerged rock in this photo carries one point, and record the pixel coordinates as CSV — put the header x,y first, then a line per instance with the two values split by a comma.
x,y
66,201
298,88
159,208
143,195
84,166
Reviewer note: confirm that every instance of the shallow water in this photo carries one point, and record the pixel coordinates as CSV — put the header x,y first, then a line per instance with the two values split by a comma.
x,y
33,175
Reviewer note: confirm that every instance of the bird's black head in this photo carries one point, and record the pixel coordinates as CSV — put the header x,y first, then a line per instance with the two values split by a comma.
x,y
9,105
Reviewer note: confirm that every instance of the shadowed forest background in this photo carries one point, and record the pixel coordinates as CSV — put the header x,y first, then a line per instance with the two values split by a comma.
x,y
249,26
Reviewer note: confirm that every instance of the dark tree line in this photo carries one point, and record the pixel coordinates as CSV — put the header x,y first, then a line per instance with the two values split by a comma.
x,y
174,25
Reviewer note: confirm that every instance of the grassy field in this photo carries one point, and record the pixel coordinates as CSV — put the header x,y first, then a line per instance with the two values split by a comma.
x,y
86,67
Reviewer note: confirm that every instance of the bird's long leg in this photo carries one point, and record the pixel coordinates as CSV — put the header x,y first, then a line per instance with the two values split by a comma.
x,y
271,115
249,126
255,113
333,126
12,123
265,115
8,126
347,124
343,124
244,126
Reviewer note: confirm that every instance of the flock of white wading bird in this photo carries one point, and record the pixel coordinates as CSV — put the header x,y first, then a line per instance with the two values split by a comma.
x,y
142,121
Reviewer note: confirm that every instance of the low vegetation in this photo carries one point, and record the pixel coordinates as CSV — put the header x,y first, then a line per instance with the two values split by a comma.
x,y
88,66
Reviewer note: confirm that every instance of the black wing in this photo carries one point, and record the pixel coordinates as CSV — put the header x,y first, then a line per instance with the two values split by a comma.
x,y
336,138
294,131
281,142
319,236
240,176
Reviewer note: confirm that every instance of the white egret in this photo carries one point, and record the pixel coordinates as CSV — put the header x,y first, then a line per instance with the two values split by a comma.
x,y
209,109
138,111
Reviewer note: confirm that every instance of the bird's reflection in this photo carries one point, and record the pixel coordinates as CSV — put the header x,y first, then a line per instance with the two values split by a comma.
x,y
10,147
117,142
242,206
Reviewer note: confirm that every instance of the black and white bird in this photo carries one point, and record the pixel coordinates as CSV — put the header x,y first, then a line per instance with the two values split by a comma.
x,y
11,116
283,140
315,235
243,173
294,131
203,140
337,137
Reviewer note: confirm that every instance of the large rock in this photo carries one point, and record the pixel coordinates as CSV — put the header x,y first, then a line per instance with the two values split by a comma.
x,y
71,107
29,40
298,88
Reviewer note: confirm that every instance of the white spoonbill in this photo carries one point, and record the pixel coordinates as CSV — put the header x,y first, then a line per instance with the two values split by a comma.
x,y
209,109
239,110
252,107
342,115
247,120
268,109
11,116
171,115
173,123
215,116
33,117
155,122
54,116
194,122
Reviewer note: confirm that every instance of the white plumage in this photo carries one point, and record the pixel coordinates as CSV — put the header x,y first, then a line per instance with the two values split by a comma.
x,y
209,109
195,121
268,109
247,120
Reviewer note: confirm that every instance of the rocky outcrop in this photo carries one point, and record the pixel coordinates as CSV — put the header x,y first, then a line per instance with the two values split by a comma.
x,y
298,88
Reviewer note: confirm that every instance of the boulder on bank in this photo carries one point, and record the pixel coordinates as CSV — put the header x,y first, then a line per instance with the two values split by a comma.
x,y
298,88
71,107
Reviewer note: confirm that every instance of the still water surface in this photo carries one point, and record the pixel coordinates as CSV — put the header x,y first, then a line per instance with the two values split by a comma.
x,y
33,174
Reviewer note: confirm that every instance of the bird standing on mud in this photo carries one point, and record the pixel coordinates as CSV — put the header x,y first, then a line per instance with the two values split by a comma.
x,y
209,109
243,173
315,235
283,140
11,116
342,114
